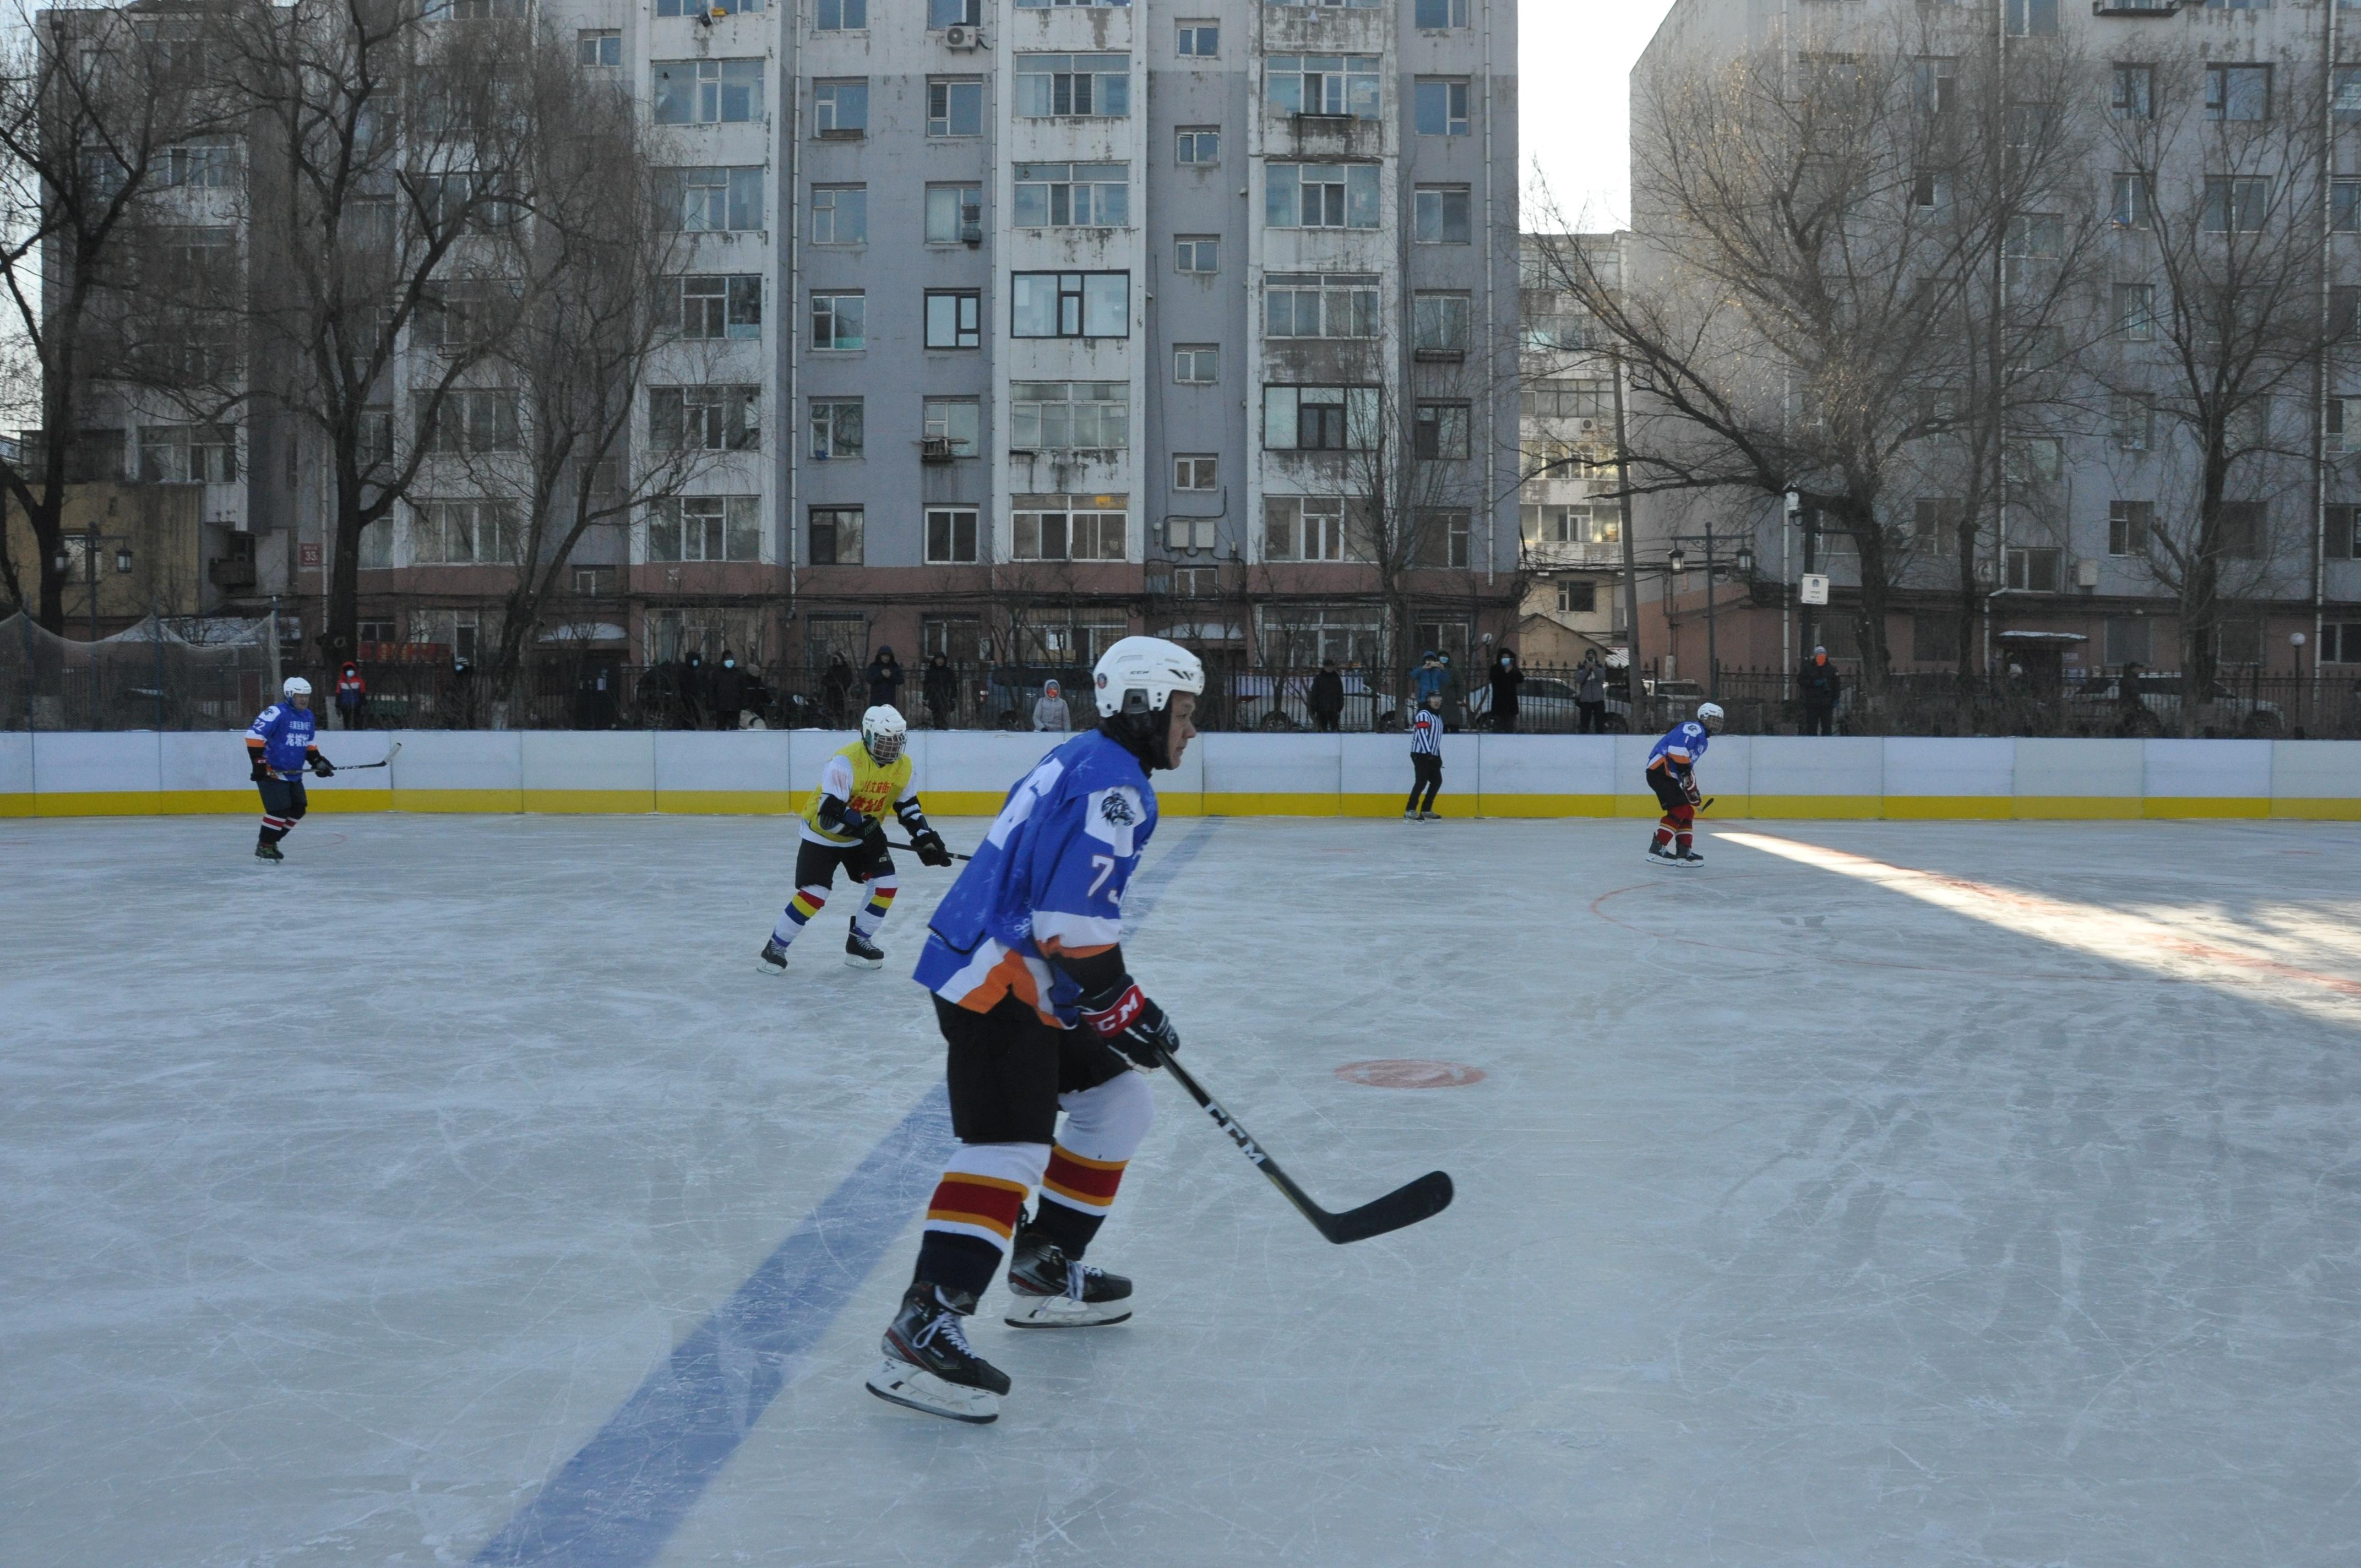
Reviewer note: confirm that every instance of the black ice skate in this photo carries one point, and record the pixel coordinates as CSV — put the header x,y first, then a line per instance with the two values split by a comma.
x,y
1688,858
1663,852
268,851
929,1365
859,952
1049,1290
772,959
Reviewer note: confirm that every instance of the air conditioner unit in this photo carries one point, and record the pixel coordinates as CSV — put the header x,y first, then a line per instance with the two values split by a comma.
x,y
1586,426
970,235
962,37
2086,574
935,449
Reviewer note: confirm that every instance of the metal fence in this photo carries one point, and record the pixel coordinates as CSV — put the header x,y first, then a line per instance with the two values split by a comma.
x,y
161,674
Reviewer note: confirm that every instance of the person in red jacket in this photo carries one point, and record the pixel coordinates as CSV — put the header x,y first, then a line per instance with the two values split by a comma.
x,y
352,696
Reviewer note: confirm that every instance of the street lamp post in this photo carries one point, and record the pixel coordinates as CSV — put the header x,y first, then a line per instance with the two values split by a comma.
x,y
1742,562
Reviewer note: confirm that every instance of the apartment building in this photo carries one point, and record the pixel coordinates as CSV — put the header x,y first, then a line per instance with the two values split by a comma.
x,y
1569,515
2193,127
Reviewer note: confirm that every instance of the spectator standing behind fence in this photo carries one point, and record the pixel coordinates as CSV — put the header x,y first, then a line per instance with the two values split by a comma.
x,y
1326,699
1428,680
728,692
2132,715
835,686
885,677
939,687
692,692
1426,760
1590,694
352,696
1049,713
1506,679
1819,685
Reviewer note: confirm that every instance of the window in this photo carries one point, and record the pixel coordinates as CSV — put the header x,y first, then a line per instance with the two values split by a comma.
x,y
2131,203
839,321
1059,415
1442,539
1439,215
954,214
1317,305
463,533
705,528
1340,85
2132,416
840,16
837,428
1440,105
706,7
1303,528
1199,40
1930,192
2344,545
1199,253
708,91
841,108
958,422
2035,235
376,553
188,455
1936,84
204,165
1577,596
955,106
598,49
950,535
2034,568
1581,398
1097,85
1442,14
1439,323
1068,528
1441,431
2344,309
2344,206
1196,363
1071,305
2134,93
954,318
835,536
2238,93
2242,529
375,446
840,215
1322,196
2344,424
1196,471
2127,529
463,316
2034,460
1197,144
1073,195
953,13
1937,521
721,305
2135,312
477,420
706,419
2126,639
1319,418
2347,104
2235,205
2031,19
710,200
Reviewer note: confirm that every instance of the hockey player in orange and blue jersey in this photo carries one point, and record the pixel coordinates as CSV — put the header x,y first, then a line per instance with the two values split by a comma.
x,y
1672,774
1025,960
280,746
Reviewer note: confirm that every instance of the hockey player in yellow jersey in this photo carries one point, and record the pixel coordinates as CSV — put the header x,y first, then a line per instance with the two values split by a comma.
x,y
843,825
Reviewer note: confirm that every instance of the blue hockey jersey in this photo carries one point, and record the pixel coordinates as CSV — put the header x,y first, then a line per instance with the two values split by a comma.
x,y
286,732
1048,877
1679,749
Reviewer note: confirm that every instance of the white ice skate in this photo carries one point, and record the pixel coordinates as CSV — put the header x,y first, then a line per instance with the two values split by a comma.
x,y
898,1382
1048,1290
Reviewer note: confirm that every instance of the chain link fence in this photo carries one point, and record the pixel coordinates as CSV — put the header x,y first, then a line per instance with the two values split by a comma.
x,y
170,673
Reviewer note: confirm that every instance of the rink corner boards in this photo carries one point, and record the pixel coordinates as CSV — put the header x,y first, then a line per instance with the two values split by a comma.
x,y
967,774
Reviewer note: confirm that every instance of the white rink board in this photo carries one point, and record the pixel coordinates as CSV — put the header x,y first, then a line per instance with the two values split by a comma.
x,y
1799,1222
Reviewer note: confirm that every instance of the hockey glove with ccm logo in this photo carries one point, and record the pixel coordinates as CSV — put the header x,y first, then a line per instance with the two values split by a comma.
x,y
1125,1018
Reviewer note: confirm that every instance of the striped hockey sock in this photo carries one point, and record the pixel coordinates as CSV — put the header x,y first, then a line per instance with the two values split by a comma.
x,y
881,902
800,909
974,1213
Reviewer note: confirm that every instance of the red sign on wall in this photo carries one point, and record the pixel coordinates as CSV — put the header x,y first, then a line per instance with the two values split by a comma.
x,y
310,555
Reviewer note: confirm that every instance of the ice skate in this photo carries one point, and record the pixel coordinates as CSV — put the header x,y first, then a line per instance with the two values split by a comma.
x,y
772,959
1430,816
1663,852
267,853
928,1365
1049,1290
1688,858
859,952
1410,816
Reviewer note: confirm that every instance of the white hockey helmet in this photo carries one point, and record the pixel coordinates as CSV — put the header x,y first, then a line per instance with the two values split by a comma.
x,y
1140,674
883,728
295,685
1709,714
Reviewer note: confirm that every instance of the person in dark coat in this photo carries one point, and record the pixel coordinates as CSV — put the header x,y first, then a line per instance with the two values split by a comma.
x,y
939,687
692,692
1506,679
1326,699
1590,694
884,676
835,686
728,692
1819,685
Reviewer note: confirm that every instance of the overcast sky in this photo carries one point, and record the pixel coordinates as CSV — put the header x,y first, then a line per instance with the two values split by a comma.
x,y
1573,70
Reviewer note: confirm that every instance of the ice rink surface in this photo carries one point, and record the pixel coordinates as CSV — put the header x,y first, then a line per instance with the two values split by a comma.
x,y
458,1192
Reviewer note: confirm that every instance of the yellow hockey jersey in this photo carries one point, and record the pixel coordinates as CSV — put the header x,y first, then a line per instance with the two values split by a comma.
x,y
874,790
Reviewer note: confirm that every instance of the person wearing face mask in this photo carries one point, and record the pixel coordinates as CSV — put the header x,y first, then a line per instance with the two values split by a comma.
x,y
728,692
1506,679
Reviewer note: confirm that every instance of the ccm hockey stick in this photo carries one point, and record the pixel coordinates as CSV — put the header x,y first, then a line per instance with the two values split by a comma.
x,y
1421,1199
954,854
359,767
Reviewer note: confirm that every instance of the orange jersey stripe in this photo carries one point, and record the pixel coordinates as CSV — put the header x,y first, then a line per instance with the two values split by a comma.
x,y
1086,1181
978,1201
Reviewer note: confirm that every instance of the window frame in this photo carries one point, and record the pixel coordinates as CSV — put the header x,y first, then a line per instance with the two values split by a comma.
x,y
974,445
960,191
825,420
948,517
838,208
1189,141
1455,117
944,88
966,326
1442,195
1093,98
836,314
1189,249
1196,363
836,515
1086,311
836,94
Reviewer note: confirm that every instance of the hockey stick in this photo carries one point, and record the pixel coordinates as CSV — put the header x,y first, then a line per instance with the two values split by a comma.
x,y
954,854
363,767
1420,1199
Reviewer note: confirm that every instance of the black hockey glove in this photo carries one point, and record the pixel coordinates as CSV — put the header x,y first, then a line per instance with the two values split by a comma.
x,y
321,767
931,847
261,774
1696,796
1126,1019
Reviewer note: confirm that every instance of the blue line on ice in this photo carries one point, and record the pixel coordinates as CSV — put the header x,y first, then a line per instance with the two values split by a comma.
x,y
615,1503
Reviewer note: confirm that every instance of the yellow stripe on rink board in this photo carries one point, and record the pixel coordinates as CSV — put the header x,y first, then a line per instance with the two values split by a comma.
x,y
486,802
1950,807
2316,810
590,802
2077,809
2215,807
726,802
100,803
1804,807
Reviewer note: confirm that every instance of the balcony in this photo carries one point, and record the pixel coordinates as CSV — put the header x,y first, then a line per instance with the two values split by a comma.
x,y
936,449
2135,7
231,575
1545,553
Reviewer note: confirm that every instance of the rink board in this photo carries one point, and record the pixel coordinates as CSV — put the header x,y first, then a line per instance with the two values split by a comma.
x,y
967,774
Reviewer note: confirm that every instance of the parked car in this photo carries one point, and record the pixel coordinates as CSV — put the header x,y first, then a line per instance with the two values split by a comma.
x,y
1263,701
2224,711
1547,706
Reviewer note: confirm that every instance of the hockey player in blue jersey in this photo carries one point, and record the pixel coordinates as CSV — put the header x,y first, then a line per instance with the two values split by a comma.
x,y
1025,960
1672,774
278,745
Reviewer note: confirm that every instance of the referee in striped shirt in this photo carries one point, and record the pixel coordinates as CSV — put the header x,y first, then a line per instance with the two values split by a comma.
x,y
1426,760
